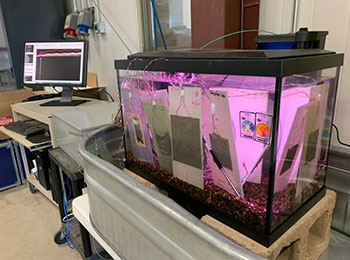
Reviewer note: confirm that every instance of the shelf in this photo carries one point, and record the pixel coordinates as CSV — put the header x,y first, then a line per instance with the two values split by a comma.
x,y
31,179
43,114
81,210
23,141
75,238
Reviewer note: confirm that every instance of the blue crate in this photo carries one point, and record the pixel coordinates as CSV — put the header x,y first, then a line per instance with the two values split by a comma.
x,y
20,161
9,173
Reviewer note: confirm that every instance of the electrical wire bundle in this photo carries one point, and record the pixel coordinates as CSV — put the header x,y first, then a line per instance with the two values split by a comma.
x,y
67,217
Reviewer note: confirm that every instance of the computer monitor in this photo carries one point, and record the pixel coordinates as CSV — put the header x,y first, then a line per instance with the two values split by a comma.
x,y
57,63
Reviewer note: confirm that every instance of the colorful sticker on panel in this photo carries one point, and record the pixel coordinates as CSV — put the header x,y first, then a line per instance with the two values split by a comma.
x,y
186,134
262,128
247,120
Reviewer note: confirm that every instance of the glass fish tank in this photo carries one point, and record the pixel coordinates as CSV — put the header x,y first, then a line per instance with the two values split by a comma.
x,y
242,136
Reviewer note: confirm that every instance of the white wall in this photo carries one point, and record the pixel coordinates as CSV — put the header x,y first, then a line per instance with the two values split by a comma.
x,y
187,13
333,16
276,15
104,49
326,15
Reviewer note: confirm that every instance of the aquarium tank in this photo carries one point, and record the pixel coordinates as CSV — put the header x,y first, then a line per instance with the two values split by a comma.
x,y
242,136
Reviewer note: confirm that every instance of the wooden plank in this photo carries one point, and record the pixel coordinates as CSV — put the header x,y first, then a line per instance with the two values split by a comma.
x,y
140,179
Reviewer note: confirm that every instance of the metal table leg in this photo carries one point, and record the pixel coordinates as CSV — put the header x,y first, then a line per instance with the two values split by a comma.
x,y
77,186
56,184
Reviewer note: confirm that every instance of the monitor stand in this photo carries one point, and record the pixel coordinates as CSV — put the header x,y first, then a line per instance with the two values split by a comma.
x,y
66,99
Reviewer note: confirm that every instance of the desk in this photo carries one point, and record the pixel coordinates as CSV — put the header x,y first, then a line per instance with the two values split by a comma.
x,y
81,210
32,110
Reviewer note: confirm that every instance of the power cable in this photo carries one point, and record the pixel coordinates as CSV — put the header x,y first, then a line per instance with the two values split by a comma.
x,y
95,248
54,88
110,96
338,137
234,33
93,96
65,209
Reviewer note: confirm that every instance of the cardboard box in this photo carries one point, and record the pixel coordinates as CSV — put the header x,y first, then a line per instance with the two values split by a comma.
x,y
7,98
92,80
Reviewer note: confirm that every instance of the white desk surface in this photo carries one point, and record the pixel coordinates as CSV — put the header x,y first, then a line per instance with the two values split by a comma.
x,y
43,114
81,210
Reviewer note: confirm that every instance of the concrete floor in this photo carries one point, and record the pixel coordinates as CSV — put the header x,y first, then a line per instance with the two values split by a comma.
x,y
339,247
28,223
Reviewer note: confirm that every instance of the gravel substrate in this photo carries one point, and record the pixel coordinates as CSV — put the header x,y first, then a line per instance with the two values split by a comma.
x,y
251,211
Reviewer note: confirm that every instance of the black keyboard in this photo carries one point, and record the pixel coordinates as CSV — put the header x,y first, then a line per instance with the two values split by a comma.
x,y
25,129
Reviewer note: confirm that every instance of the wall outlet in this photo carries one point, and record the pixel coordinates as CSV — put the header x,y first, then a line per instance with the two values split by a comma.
x,y
100,27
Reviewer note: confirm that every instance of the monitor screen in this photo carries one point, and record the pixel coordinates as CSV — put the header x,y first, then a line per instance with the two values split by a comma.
x,y
55,63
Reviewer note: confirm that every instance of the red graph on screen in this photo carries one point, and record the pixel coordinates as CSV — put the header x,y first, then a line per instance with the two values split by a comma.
x,y
59,52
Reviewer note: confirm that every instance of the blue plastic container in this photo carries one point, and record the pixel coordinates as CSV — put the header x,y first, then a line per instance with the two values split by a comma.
x,y
279,45
9,174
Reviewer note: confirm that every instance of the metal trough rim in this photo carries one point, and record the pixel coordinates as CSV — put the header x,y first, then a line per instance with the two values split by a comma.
x,y
166,205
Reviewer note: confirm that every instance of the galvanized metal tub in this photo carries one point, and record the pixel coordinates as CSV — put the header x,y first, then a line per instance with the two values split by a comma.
x,y
140,223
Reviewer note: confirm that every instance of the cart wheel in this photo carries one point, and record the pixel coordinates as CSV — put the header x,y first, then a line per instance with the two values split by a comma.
x,y
60,238
31,187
